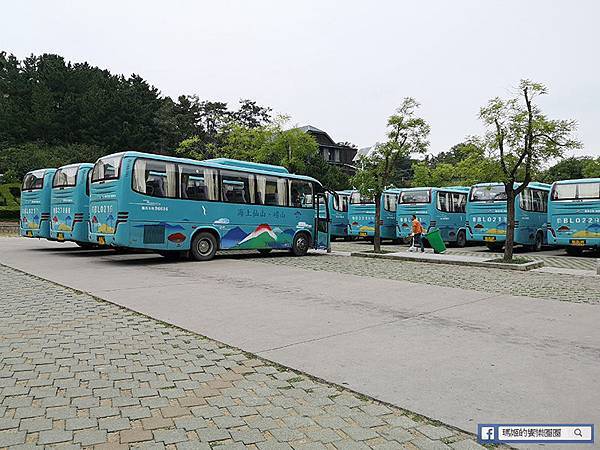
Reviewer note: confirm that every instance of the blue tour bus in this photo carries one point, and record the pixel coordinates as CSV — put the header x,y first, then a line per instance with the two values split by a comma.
x,y
486,215
442,208
361,215
35,203
70,199
574,215
338,207
174,206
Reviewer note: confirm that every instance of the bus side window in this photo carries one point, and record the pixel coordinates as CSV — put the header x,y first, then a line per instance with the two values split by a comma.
x,y
155,178
390,202
197,183
301,194
271,190
442,201
459,202
237,187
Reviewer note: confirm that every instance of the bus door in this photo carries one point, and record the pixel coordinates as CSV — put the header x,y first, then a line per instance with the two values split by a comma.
x,y
322,235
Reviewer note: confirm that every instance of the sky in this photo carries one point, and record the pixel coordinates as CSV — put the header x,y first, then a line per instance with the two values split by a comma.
x,y
341,66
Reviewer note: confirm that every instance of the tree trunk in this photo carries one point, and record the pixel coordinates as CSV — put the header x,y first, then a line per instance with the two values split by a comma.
x,y
510,223
377,234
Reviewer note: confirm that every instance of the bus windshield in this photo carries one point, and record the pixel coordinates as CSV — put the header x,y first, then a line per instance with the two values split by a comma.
x,y
358,199
488,193
34,180
576,191
107,168
423,196
65,176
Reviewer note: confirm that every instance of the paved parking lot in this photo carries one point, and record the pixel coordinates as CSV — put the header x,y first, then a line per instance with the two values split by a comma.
x,y
552,257
459,355
79,372
554,286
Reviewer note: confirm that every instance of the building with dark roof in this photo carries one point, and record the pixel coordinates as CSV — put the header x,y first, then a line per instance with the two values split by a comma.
x,y
337,154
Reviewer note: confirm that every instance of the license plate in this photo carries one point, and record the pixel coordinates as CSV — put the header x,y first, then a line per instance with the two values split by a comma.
x,y
101,240
60,236
29,234
489,238
362,233
578,242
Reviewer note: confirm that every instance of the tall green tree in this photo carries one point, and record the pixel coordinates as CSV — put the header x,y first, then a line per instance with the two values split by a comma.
x,y
464,165
592,168
406,134
568,169
522,137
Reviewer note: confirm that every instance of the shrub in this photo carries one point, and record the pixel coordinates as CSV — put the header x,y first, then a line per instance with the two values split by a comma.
x,y
9,214
7,195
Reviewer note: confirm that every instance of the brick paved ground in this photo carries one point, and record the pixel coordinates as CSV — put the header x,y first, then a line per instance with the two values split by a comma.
x,y
79,372
581,289
586,262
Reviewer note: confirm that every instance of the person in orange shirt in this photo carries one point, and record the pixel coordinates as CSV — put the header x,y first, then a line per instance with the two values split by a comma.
x,y
417,232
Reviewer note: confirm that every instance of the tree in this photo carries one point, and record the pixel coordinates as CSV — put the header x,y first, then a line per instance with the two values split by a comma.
x,y
406,134
592,168
567,169
464,165
522,137
251,115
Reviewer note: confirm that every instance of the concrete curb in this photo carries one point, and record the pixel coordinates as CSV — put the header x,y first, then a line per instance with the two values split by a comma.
x,y
455,262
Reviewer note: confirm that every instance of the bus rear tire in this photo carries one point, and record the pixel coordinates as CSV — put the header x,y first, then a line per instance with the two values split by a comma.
x,y
538,243
574,251
204,246
301,244
461,239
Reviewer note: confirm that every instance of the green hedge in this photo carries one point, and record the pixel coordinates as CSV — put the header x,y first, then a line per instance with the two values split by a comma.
x,y
9,202
10,195
9,214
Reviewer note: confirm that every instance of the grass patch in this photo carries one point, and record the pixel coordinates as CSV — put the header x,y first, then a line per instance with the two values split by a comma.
x,y
295,380
517,260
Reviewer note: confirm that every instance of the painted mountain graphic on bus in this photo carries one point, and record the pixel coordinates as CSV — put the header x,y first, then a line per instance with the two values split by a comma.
x,y
233,237
593,231
262,237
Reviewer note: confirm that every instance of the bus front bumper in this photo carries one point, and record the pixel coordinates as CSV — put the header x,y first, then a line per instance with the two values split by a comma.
x,y
583,242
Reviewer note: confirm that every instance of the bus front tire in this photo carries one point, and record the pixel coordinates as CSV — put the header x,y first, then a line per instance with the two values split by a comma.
x,y
204,246
574,251
301,244
538,243
461,239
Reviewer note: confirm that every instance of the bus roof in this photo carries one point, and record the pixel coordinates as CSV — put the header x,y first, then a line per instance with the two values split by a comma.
x,y
248,165
48,169
393,190
79,165
577,181
461,189
222,163
532,184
